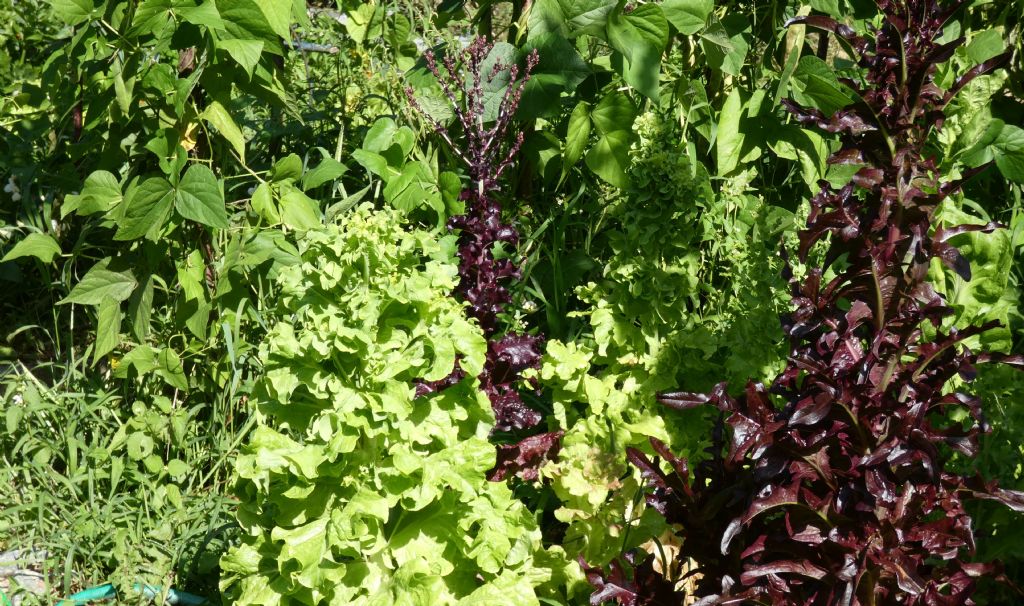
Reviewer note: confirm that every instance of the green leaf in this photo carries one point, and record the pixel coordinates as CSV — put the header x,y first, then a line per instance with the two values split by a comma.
x,y
121,90
614,112
108,329
140,307
979,146
288,167
219,118
364,22
375,163
814,84
806,147
985,45
139,445
570,17
640,36
729,144
73,12
688,16
205,15
245,52
198,197
262,202
146,210
177,469
101,193
380,136
299,211
725,44
101,284
451,186
795,36
609,158
169,368
560,70
1008,151
279,16
142,358
577,135
151,17
245,20
38,245
329,169
830,7
412,188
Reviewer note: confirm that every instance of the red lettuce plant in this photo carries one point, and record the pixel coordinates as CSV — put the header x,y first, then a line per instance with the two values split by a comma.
x,y
839,495
483,274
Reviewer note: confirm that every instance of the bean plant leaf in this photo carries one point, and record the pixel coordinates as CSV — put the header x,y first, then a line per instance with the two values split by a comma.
x,y
380,135
288,168
814,84
108,327
328,170
578,134
729,144
198,197
245,20
725,44
412,188
299,211
609,158
1008,150
687,16
570,18
245,52
140,307
204,14
38,245
278,15
73,12
218,116
640,36
147,208
614,112
100,284
559,70
829,7
170,369
101,193
985,45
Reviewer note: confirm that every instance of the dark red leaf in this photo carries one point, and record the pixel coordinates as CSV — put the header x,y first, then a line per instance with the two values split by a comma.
x,y
525,457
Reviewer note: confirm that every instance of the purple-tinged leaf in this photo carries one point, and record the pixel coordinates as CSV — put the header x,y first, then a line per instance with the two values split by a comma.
x,y
799,567
683,400
945,233
811,410
525,458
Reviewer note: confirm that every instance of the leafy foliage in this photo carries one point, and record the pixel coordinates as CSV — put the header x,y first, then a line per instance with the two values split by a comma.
x,y
352,488
481,232
841,496
162,164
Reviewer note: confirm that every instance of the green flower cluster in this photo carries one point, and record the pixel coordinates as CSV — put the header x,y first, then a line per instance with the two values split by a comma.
x,y
352,490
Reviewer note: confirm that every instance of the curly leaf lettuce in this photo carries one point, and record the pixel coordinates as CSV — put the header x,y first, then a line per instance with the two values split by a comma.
x,y
354,491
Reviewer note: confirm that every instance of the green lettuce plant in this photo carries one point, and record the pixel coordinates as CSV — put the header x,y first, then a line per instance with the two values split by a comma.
x,y
353,490
689,288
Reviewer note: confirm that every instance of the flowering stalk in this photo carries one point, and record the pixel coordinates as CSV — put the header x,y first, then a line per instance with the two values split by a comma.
x,y
840,496
482,275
